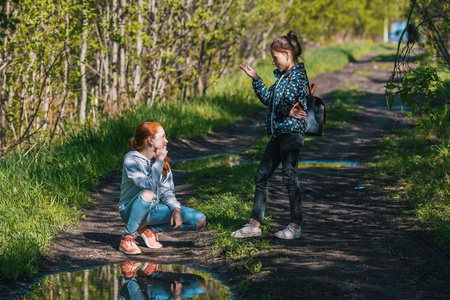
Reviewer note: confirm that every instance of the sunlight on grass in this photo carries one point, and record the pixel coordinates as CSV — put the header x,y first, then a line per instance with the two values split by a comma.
x,y
418,164
225,196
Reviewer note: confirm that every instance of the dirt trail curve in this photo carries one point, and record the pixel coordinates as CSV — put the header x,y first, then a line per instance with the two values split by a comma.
x,y
353,244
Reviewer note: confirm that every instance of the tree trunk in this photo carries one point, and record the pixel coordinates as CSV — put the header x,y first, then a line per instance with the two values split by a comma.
x,y
123,61
115,50
4,98
83,102
139,46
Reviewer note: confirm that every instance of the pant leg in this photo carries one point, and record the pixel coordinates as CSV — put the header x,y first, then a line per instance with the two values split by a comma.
x,y
134,213
290,145
269,162
159,219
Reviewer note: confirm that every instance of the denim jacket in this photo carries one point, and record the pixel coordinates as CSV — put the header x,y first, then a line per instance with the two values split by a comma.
x,y
280,98
140,173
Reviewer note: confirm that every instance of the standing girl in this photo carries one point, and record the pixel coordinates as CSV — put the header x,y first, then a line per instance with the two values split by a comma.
x,y
147,180
286,126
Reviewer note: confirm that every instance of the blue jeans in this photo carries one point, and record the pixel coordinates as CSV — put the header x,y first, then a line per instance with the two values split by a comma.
x,y
284,149
139,213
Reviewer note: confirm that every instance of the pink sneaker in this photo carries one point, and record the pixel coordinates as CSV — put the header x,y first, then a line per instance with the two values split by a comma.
x,y
128,245
129,268
150,237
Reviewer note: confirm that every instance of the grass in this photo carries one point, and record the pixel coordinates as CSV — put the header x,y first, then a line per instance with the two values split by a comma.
x,y
417,164
225,196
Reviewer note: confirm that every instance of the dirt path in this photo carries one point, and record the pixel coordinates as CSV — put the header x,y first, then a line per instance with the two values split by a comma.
x,y
353,244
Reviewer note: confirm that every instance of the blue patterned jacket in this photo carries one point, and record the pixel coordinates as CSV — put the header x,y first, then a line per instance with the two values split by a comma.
x,y
280,98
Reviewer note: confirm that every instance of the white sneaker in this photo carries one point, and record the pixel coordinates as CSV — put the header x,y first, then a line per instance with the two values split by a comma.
x,y
289,233
247,231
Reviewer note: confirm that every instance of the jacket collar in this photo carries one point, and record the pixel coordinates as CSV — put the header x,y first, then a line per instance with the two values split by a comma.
x,y
295,68
137,154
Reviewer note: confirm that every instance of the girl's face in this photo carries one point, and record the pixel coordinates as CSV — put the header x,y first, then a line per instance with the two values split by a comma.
x,y
159,141
282,60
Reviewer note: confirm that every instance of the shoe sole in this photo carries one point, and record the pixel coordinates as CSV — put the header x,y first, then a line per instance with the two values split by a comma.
x,y
148,244
130,253
246,235
286,238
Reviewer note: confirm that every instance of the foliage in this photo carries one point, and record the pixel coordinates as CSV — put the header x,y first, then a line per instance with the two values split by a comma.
x,y
417,160
422,87
324,20
84,61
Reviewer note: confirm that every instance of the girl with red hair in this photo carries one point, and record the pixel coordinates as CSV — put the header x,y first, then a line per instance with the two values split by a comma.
x,y
147,201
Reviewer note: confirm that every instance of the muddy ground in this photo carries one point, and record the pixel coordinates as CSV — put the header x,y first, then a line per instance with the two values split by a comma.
x,y
354,244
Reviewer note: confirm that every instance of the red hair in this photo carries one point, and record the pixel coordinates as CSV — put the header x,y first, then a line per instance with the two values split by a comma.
x,y
141,133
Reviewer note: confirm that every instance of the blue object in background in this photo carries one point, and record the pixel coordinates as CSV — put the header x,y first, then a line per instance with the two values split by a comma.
x,y
396,32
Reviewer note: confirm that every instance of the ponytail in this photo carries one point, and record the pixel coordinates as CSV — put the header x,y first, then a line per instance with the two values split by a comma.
x,y
132,144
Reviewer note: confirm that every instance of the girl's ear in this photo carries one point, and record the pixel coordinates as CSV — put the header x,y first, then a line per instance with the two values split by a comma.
x,y
150,141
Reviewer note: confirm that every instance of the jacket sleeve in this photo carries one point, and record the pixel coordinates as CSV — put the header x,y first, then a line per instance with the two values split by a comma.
x,y
261,91
167,192
296,89
136,174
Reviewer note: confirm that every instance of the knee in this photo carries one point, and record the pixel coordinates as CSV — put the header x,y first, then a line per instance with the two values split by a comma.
x,y
261,177
147,195
201,223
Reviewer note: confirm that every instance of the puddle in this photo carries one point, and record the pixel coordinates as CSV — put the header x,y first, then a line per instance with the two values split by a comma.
x,y
131,280
199,163
232,159
326,164
395,108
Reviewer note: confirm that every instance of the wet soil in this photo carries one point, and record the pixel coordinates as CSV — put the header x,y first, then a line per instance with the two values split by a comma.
x,y
354,244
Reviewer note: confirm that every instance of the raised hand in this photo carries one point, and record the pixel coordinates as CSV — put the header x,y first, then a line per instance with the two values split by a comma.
x,y
161,154
249,71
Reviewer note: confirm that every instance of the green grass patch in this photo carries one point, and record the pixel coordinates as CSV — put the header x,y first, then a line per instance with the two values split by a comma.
x,y
364,72
225,196
417,163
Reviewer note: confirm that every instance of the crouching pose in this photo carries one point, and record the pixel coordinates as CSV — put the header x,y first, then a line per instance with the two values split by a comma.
x,y
147,202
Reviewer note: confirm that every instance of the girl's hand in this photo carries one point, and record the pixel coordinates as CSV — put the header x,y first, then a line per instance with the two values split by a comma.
x,y
249,71
176,220
161,154
297,112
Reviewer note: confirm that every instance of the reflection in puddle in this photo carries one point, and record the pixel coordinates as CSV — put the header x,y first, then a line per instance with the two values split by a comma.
x,y
232,159
131,280
326,164
199,163
395,108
